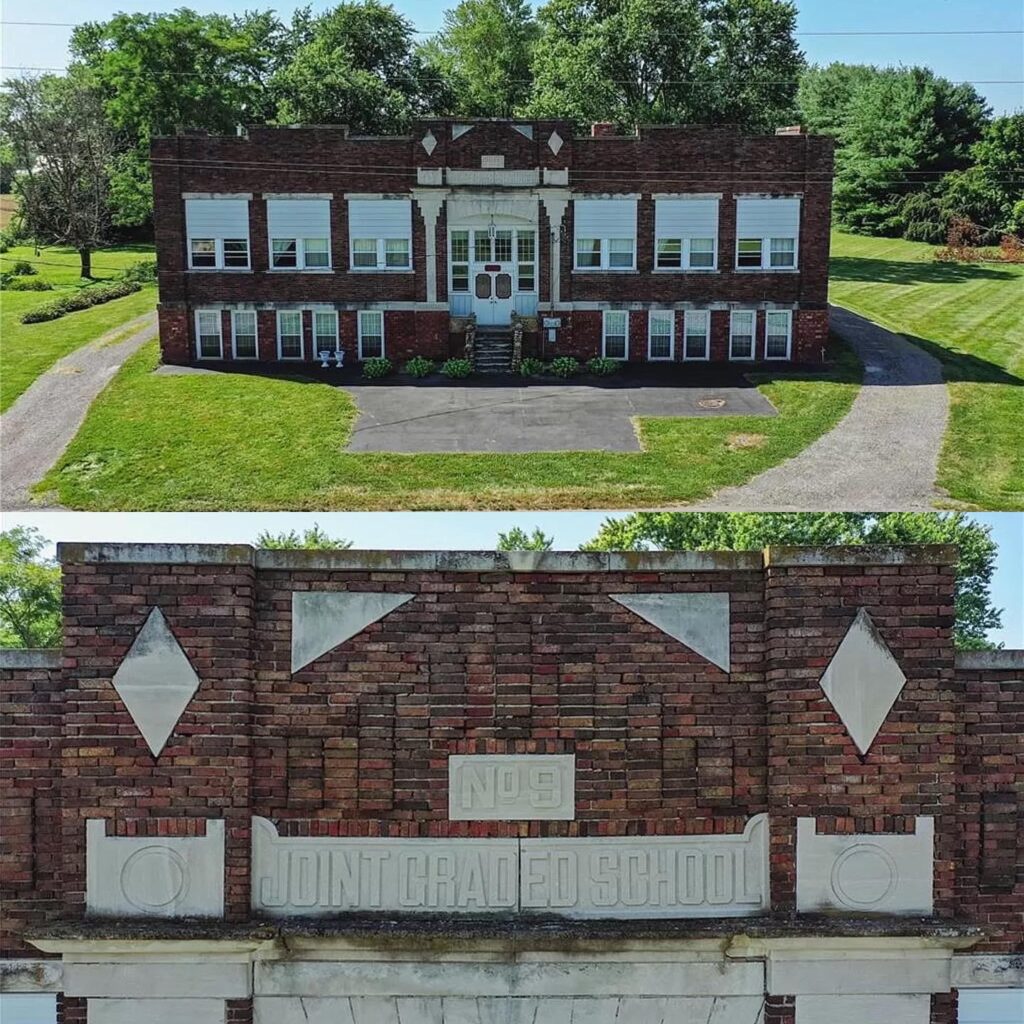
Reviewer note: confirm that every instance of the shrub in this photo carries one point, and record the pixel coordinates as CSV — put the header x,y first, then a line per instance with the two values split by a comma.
x,y
27,284
457,368
22,268
142,272
376,367
602,366
531,367
1011,249
418,366
564,366
81,299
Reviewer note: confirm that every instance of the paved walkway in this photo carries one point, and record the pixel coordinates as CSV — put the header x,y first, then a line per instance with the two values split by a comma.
x,y
41,423
882,456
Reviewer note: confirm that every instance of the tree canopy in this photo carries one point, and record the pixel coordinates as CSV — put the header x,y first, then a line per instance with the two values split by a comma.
x,y
30,591
312,538
517,539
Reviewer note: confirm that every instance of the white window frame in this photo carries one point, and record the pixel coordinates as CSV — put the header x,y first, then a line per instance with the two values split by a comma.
x,y
380,267
359,326
302,336
753,335
605,244
788,314
220,333
604,335
300,256
688,317
235,313
685,258
766,244
218,255
333,313
651,314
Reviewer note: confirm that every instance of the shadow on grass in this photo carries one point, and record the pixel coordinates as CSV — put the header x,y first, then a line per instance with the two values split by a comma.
x,y
963,367
878,271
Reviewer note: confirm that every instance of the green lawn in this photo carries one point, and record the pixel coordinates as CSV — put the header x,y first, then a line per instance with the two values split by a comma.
x,y
971,317
27,350
222,441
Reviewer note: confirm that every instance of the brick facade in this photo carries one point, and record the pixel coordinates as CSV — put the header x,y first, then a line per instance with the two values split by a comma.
x,y
665,160
496,655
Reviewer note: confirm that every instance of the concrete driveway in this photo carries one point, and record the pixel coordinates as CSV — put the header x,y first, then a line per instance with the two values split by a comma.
x,y
507,416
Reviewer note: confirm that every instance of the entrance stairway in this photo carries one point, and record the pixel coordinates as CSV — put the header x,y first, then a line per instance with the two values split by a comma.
x,y
492,350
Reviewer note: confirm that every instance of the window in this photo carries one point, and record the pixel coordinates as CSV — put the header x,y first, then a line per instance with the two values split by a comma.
x,y
696,343
660,335
526,256
767,232
289,335
741,334
325,332
482,248
300,254
381,234
218,233
502,246
300,233
778,330
208,336
371,333
284,253
316,252
243,334
459,242
605,233
685,232
615,332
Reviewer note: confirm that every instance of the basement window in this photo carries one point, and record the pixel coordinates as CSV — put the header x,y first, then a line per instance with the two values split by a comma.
x,y
289,335
243,331
371,333
208,334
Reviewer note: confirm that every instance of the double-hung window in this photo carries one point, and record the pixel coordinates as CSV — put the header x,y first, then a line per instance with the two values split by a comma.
x,y
209,341
300,233
605,234
526,261
289,334
615,334
685,233
697,334
325,331
661,335
741,333
243,334
371,333
767,232
459,242
778,333
218,233
380,233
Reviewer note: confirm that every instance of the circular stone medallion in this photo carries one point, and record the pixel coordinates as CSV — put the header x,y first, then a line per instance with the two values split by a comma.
x,y
153,877
863,876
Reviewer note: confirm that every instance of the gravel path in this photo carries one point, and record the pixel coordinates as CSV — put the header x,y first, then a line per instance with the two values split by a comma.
x,y
882,456
41,423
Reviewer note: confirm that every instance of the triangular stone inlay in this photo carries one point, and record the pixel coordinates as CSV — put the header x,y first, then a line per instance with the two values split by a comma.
x,y
701,621
323,619
863,681
156,681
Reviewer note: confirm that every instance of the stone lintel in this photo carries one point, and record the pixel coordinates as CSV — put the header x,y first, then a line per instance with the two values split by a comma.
x,y
30,657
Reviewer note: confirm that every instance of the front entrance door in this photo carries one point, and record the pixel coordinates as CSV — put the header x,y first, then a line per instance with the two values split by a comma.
x,y
491,277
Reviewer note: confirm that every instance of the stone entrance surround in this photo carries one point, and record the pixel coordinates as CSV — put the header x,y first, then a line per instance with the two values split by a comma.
x,y
533,788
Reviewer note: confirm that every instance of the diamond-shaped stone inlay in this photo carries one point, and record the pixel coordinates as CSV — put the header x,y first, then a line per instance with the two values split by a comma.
x,y
323,619
156,681
863,681
555,143
701,621
429,142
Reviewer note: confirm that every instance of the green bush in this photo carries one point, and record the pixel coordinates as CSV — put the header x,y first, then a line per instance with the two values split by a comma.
x,y
81,299
376,367
531,367
418,366
457,368
27,284
564,366
22,268
602,366
142,272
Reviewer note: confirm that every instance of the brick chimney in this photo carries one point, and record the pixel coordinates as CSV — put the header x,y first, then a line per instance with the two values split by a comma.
x,y
599,129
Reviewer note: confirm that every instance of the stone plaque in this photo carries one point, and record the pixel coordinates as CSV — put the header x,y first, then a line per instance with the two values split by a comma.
x,y
617,877
511,787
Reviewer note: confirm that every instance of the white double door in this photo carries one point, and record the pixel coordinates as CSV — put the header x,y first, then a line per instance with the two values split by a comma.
x,y
492,276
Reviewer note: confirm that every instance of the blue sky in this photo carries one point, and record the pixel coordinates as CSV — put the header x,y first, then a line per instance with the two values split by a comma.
x,y
977,57
445,530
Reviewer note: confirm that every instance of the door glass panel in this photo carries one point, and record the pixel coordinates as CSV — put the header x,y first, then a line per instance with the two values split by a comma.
x,y
481,247
482,286
503,286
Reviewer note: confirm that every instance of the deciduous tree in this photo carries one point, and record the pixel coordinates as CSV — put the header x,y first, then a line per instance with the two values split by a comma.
x,y
30,591
517,539
313,538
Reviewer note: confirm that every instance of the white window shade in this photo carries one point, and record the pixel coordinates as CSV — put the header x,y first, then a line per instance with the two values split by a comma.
x,y
299,218
686,218
768,218
605,218
217,218
380,218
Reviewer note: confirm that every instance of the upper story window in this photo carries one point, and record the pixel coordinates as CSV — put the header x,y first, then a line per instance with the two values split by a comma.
x,y
300,233
218,233
685,234
380,234
605,234
767,233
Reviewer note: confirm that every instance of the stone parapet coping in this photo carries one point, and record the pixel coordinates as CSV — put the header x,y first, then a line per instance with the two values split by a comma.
x,y
991,661
503,561
30,657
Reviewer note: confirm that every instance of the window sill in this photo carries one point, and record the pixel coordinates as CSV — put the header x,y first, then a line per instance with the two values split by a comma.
x,y
766,270
741,359
660,359
605,270
696,359
300,270
219,270
686,270
381,270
